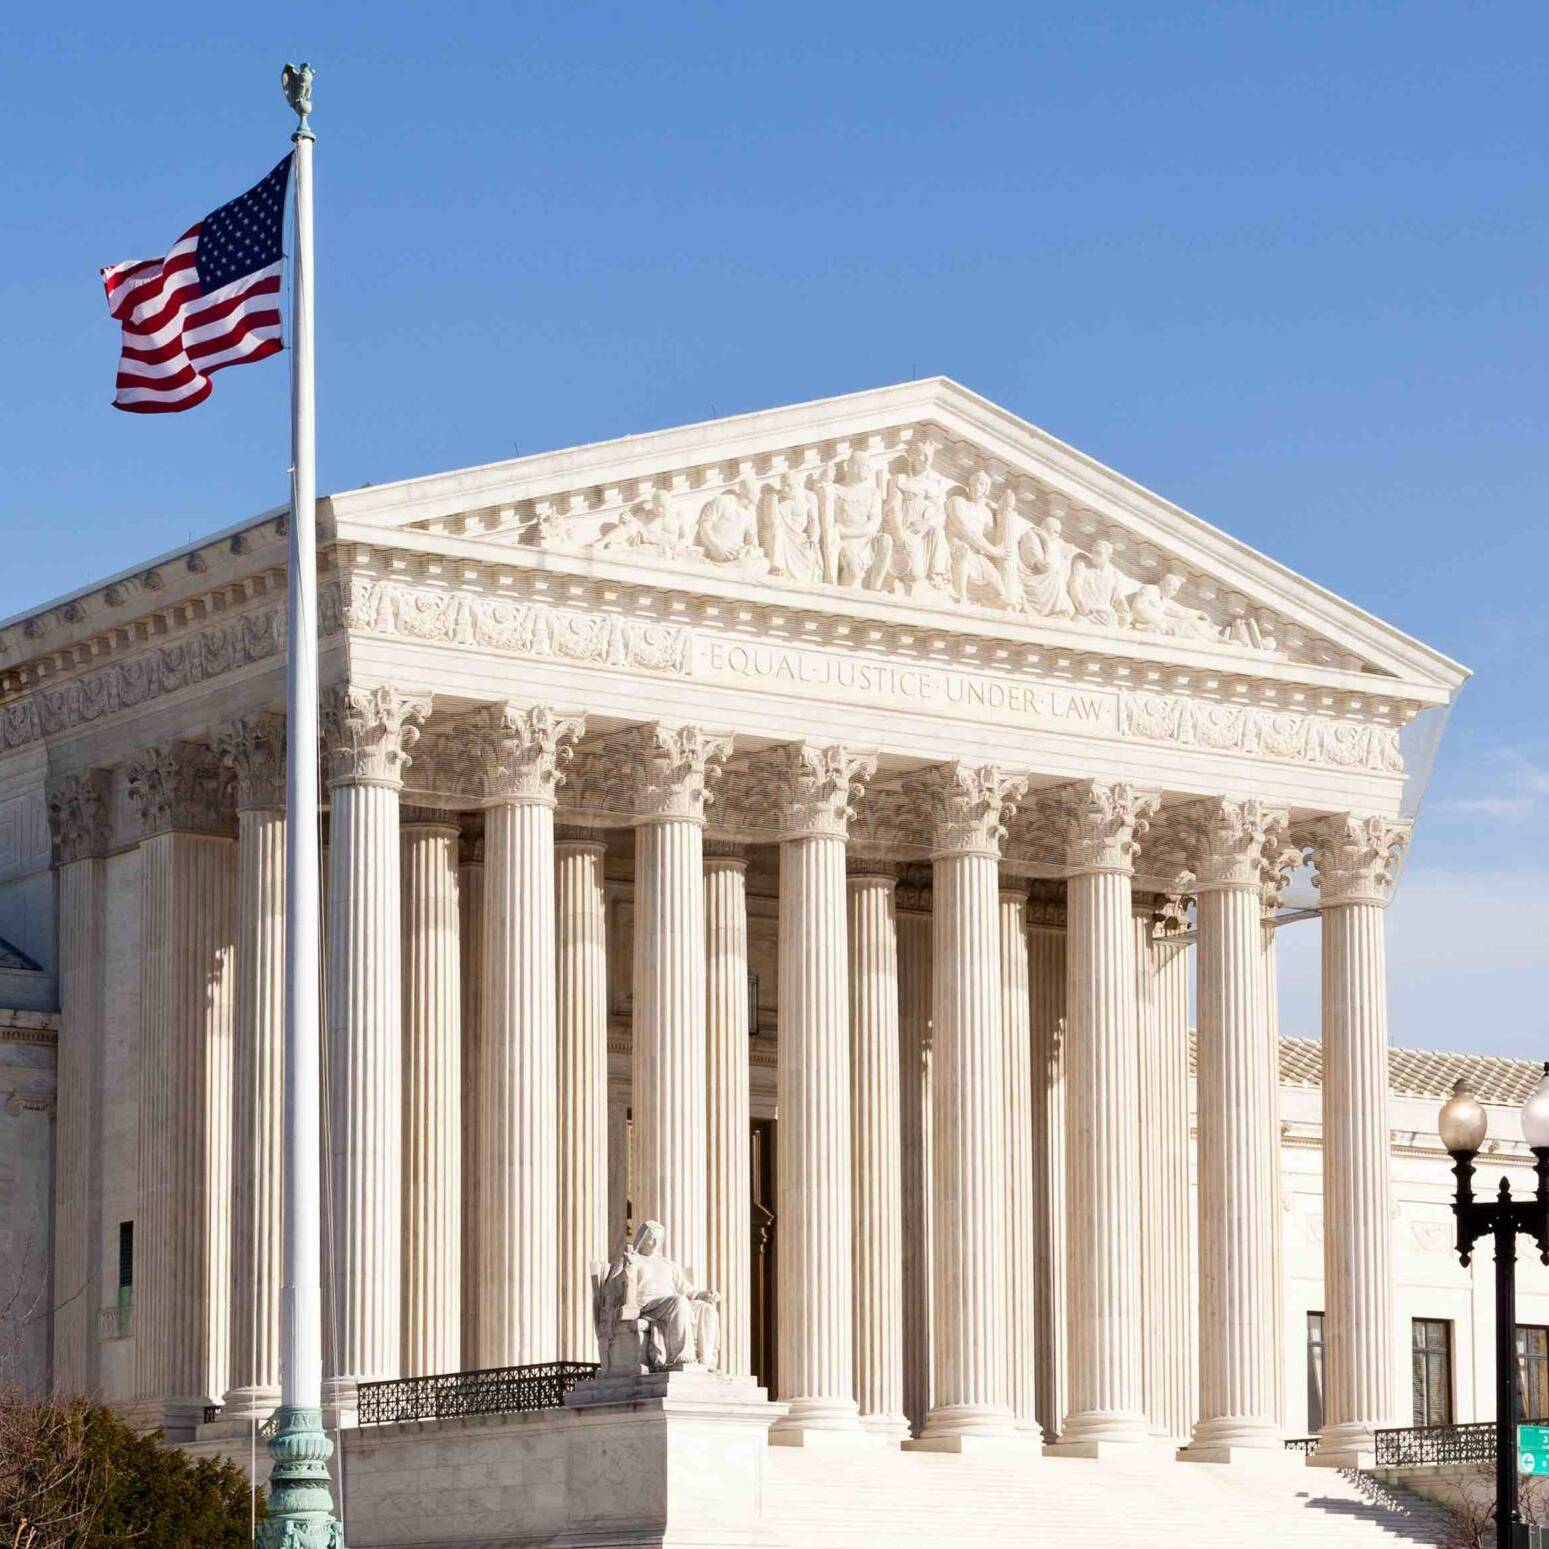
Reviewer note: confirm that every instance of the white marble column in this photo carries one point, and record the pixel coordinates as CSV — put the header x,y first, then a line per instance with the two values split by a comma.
x,y
522,752
254,748
813,1202
583,1084
470,939
1046,1000
876,1195
1167,1262
1353,857
915,994
672,766
727,1261
1238,1147
367,733
966,806
183,1209
79,812
432,1095
1021,1219
1103,1303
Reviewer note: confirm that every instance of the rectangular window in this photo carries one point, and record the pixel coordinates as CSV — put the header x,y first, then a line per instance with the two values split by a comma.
x,y
1431,1371
1532,1372
752,1004
1314,1373
125,1260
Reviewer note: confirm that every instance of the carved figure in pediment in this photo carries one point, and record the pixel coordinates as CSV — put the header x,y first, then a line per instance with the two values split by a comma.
x,y
651,526
1155,607
979,560
1045,559
728,527
1099,590
850,518
788,529
911,553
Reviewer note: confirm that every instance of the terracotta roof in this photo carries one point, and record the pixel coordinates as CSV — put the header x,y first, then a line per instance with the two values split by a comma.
x,y
1419,1072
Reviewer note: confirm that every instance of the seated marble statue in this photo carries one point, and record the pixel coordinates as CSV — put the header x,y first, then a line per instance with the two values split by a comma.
x,y
649,1315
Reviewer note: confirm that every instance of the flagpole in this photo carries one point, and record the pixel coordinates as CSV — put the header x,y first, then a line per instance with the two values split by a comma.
x,y
300,1499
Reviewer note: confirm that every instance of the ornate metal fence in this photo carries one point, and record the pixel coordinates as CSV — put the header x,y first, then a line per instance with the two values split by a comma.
x,y
1436,1444
499,1391
1306,1445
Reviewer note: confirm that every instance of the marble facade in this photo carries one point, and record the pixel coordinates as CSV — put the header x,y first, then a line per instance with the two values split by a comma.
x,y
884,738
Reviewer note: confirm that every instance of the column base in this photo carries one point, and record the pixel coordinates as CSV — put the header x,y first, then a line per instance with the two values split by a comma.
x,y
887,1427
1014,1444
1270,1458
1346,1446
948,1423
1105,1434
178,1419
821,1422
249,1404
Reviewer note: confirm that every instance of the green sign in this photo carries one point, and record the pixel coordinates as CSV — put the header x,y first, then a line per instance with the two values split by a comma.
x,y
1533,1449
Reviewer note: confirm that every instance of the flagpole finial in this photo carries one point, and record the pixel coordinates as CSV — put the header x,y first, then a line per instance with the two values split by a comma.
x,y
297,82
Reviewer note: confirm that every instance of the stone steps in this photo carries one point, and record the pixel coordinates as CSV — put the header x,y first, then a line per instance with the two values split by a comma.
x,y
832,1499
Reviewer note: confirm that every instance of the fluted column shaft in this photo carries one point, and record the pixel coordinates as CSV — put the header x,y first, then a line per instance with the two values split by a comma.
x,y
432,1099
77,1290
915,993
1021,1231
727,1261
1046,999
365,1067
1167,1248
671,1162
877,1249
470,934
258,1086
1237,1157
518,1309
582,1008
1102,824
183,1212
971,1392
814,1163
1353,857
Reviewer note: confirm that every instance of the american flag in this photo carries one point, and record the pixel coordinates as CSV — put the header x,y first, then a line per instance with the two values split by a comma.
x,y
213,301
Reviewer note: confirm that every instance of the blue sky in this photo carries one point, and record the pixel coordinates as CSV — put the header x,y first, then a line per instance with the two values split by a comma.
x,y
1284,264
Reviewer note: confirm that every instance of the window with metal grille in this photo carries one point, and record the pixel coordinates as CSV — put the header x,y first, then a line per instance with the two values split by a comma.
x,y
1532,1372
1431,1370
125,1260
1314,1373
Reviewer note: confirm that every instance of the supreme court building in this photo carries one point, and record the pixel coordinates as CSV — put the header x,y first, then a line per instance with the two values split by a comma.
x,y
800,829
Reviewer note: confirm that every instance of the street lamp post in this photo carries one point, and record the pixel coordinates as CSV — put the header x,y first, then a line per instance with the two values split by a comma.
x,y
1462,1124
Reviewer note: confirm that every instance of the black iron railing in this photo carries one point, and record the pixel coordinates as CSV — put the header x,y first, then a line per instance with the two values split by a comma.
x,y
1306,1445
500,1391
1436,1444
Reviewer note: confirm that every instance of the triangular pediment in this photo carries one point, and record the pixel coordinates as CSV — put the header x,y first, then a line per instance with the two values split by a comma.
x,y
922,494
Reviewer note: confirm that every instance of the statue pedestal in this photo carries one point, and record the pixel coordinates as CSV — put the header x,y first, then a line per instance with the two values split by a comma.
x,y
666,1458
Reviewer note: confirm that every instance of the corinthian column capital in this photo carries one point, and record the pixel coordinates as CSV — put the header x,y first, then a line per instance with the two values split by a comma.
x,y
1101,823
812,788
79,815
674,768
253,747
181,785
1230,842
523,750
368,733
1353,857
967,806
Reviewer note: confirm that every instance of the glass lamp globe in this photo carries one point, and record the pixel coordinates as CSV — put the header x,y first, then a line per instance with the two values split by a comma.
x,y
1462,1122
1535,1113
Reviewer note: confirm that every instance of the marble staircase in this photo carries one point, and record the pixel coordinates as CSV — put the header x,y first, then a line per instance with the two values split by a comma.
x,y
825,1499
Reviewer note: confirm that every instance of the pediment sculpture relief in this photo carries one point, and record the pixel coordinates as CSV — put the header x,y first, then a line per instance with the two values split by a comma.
x,y
902,527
